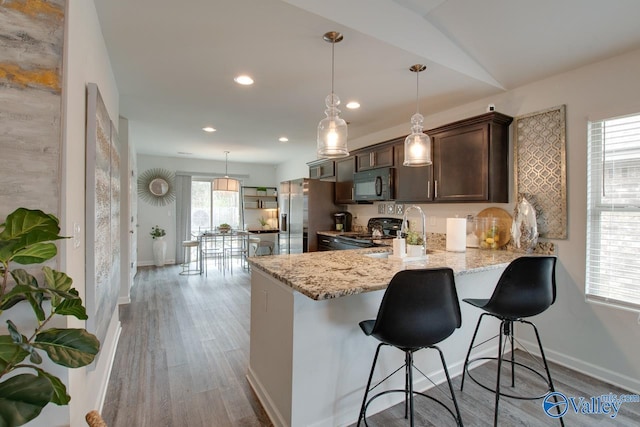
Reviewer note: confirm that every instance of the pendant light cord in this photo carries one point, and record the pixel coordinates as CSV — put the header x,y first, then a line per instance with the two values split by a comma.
x,y
417,92
226,164
333,45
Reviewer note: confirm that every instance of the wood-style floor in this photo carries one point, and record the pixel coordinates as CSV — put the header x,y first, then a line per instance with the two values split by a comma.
x,y
183,355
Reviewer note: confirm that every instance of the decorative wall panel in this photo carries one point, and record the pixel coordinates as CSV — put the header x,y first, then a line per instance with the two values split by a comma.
x,y
31,45
540,168
102,215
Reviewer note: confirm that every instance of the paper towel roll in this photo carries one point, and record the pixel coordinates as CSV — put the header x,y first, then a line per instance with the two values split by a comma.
x,y
399,247
456,234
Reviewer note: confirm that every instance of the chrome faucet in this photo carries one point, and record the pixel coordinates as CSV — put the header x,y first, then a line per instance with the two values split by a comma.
x,y
404,226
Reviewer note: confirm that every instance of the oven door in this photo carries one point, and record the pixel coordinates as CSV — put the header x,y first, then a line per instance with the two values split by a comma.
x,y
376,184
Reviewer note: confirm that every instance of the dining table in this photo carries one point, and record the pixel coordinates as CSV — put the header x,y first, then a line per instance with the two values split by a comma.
x,y
230,243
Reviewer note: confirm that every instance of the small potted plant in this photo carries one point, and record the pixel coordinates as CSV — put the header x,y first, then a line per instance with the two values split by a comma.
x,y
264,223
157,233
415,244
159,245
224,227
261,191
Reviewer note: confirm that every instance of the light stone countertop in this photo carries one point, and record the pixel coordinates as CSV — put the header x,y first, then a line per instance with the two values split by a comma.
x,y
333,274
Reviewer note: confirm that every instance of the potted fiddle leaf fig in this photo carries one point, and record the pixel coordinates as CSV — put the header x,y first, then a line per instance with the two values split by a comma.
x,y
27,237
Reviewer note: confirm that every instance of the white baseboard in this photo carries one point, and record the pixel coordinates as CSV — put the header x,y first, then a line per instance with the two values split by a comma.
x,y
151,263
625,382
272,412
111,355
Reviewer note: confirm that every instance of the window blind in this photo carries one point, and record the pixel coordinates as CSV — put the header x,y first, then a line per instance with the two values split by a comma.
x,y
613,212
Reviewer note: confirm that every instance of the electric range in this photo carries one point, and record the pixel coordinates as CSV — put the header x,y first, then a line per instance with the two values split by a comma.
x,y
378,229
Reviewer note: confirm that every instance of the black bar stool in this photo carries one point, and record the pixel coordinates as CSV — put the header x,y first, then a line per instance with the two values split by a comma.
x,y
527,287
419,309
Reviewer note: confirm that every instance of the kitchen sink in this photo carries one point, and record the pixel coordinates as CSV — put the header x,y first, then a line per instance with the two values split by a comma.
x,y
378,255
386,254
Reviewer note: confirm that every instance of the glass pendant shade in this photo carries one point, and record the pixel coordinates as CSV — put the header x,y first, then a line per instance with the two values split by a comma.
x,y
417,146
332,131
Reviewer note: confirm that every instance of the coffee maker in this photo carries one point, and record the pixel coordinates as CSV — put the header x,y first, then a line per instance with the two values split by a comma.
x,y
342,221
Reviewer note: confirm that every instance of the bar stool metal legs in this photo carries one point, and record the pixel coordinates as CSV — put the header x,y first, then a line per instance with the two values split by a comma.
x,y
408,391
187,269
506,331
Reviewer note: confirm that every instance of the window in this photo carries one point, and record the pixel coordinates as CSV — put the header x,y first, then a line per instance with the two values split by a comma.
x,y
613,212
210,208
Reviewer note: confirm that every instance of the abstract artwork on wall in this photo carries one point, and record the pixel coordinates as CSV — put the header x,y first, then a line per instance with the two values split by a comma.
x,y
540,168
31,46
102,215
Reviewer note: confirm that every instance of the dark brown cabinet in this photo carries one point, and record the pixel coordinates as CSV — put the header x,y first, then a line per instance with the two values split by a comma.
x,y
322,169
412,184
344,169
471,160
379,157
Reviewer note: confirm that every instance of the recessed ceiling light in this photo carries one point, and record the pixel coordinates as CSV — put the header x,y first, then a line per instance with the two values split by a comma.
x,y
183,152
283,139
208,129
353,105
243,80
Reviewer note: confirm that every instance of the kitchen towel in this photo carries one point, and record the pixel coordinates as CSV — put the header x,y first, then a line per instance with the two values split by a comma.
x,y
456,234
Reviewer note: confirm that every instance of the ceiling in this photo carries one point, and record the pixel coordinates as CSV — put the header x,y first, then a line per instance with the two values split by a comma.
x,y
174,63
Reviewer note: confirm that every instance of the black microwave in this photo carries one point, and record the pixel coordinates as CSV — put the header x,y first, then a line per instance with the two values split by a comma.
x,y
374,184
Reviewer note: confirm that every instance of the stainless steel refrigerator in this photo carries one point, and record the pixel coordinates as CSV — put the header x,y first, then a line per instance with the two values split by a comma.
x,y
306,207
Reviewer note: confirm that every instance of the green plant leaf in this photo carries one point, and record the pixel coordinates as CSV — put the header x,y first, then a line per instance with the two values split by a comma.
x,y
22,398
72,307
19,292
23,229
56,280
16,336
35,254
21,277
60,396
10,352
72,348
22,221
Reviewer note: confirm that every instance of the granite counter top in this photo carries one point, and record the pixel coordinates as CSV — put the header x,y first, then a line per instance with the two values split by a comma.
x,y
333,274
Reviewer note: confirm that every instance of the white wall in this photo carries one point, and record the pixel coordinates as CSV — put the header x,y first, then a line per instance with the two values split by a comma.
x,y
602,341
86,60
165,216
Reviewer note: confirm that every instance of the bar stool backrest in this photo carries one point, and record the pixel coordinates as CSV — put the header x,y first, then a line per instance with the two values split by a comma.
x,y
526,287
419,308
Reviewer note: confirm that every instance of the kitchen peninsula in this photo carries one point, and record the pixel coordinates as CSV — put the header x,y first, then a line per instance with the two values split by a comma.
x,y
309,361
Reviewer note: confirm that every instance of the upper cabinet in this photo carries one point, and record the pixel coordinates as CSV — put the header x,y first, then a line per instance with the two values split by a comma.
x,y
471,160
345,168
322,169
412,184
378,157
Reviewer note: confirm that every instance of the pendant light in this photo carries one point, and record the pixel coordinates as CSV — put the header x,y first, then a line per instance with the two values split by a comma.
x,y
226,183
417,146
332,130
